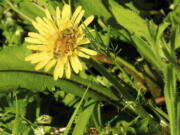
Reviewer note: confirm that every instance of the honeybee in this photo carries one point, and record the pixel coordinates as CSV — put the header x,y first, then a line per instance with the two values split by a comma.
x,y
93,131
57,47
65,42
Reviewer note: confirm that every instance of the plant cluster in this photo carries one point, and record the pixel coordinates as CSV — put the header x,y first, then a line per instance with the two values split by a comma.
x,y
89,67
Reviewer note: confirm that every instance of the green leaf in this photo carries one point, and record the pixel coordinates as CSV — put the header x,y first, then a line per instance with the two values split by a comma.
x,y
83,118
175,37
16,72
146,51
129,19
173,16
119,85
26,9
124,91
160,30
171,98
29,9
169,56
96,116
17,118
94,7
75,113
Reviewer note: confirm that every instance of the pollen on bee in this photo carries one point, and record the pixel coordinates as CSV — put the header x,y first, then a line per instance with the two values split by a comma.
x,y
65,42
56,50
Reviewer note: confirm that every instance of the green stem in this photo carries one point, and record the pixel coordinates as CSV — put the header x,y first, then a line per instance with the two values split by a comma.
x,y
170,98
122,89
37,107
75,113
18,11
17,118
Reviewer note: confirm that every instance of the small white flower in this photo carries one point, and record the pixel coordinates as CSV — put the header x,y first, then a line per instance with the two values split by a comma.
x,y
39,131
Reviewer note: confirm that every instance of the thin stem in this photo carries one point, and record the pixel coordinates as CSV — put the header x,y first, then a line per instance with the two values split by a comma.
x,y
37,106
18,11
75,113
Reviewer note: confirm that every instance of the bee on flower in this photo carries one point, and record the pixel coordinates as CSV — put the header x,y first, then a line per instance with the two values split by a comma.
x,y
58,43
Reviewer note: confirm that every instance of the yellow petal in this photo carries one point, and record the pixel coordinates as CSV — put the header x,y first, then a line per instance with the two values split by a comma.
x,y
88,51
37,47
59,69
56,70
58,17
73,64
52,29
83,41
87,21
81,36
44,27
41,21
33,40
34,35
76,13
66,12
40,27
79,17
37,36
42,63
36,55
38,59
48,14
78,63
50,65
81,54
67,70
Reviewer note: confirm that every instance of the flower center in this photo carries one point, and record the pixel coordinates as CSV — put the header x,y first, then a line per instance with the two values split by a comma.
x,y
66,42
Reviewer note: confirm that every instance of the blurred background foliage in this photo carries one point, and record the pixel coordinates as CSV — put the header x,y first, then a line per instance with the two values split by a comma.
x,y
131,87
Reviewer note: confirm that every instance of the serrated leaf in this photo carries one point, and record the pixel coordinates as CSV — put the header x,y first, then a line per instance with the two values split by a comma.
x,y
129,19
16,72
146,51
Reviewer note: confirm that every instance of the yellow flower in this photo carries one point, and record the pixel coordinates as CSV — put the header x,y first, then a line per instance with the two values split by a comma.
x,y
59,41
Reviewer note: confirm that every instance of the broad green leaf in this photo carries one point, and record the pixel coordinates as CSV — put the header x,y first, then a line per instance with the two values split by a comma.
x,y
146,51
16,72
175,3
96,116
173,16
169,56
29,9
83,118
94,7
129,19
69,99
171,98
175,37
160,31
13,7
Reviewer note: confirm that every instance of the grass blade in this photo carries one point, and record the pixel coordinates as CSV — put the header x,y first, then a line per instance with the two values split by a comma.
x,y
84,117
75,113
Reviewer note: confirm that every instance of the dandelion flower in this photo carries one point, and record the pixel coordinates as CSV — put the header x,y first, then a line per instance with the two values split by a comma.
x,y
58,43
